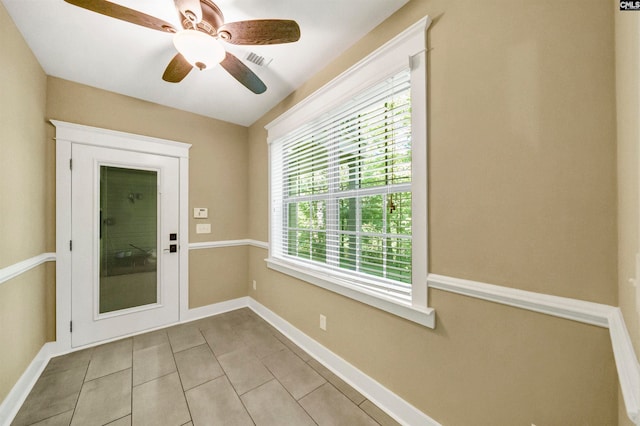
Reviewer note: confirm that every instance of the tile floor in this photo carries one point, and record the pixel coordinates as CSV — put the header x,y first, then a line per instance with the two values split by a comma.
x,y
229,369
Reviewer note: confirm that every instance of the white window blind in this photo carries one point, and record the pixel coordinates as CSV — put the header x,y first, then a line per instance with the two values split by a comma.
x,y
341,190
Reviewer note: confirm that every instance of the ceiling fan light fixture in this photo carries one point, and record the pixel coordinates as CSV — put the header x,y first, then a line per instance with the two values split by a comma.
x,y
190,9
199,49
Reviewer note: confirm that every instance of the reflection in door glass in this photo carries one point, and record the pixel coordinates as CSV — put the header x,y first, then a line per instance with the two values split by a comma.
x,y
128,238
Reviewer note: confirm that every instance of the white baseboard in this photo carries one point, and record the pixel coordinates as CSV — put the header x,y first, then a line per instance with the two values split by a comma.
x,y
215,309
388,401
16,397
395,406
13,401
602,315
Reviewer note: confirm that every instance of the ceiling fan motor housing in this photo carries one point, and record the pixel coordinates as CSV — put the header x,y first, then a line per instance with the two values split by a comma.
x,y
190,9
210,20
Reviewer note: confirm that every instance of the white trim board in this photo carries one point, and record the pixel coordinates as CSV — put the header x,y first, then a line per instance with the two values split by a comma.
x,y
228,243
563,307
12,271
68,134
388,401
573,309
391,403
626,364
14,400
87,135
18,394
417,314
625,358
391,57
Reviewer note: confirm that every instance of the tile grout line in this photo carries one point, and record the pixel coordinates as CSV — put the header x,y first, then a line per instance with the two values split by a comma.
x,y
243,404
337,389
276,377
240,325
184,392
75,406
228,380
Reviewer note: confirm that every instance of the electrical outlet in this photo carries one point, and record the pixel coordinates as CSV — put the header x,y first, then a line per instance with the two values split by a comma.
x,y
323,322
254,284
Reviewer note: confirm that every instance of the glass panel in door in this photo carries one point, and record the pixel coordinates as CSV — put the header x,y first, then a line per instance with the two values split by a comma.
x,y
128,238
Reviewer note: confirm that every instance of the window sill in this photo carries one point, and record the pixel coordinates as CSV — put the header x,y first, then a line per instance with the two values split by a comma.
x,y
423,316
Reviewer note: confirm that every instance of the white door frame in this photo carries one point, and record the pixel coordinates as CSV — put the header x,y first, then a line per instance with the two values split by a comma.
x,y
68,134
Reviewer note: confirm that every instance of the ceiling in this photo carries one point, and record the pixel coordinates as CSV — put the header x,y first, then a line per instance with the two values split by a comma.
x,y
78,45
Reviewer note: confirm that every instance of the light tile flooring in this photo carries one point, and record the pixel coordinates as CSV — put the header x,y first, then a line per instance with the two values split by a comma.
x,y
229,369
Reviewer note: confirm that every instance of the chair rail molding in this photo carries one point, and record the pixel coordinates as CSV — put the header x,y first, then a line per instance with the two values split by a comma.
x,y
563,307
573,309
12,271
228,243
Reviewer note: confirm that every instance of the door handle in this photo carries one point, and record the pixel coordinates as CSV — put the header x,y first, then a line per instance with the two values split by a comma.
x,y
173,248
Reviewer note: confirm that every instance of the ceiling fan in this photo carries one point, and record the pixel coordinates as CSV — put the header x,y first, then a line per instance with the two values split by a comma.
x,y
198,43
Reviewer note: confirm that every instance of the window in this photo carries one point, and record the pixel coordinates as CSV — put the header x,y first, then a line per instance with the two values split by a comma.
x,y
348,182
344,181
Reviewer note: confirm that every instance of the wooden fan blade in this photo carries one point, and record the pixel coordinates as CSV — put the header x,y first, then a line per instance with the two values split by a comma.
x,y
260,31
123,13
177,69
243,74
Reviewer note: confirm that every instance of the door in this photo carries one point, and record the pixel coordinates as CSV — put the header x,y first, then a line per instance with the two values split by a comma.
x,y
124,242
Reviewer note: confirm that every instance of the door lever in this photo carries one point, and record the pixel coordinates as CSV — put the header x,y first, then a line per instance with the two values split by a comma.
x,y
172,248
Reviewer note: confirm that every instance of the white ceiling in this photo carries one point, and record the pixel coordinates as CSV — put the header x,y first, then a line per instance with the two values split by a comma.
x,y
78,45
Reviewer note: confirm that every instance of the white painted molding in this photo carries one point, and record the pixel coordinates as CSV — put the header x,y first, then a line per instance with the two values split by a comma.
x,y
87,135
215,309
573,309
259,244
19,268
626,364
563,307
228,243
388,401
14,400
68,134
344,287
387,60
606,316
18,394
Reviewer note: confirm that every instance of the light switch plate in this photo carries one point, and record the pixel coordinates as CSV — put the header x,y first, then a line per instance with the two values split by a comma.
x,y
203,228
200,213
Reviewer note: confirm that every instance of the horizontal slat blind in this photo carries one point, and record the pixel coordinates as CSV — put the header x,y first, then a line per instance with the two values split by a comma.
x,y
341,190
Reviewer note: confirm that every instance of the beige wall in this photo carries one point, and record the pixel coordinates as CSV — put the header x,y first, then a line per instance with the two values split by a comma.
x,y
217,171
23,168
221,274
25,303
521,193
26,315
627,42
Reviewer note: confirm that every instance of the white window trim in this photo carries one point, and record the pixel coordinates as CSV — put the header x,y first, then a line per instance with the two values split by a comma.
x,y
408,48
